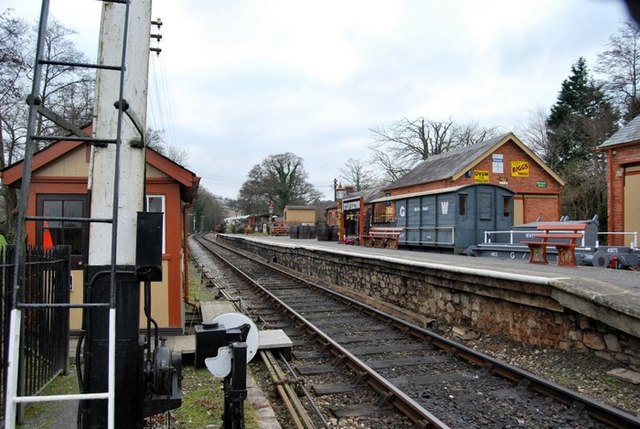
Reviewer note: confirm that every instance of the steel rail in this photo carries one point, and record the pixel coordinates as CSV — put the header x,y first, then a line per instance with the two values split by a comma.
x,y
597,410
392,395
288,395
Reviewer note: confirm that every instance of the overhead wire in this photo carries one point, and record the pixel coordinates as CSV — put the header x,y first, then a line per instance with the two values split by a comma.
x,y
153,104
169,105
159,99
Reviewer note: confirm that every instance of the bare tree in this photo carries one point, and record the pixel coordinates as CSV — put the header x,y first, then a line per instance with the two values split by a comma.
x,y
535,133
13,76
413,140
620,63
66,92
404,143
357,173
13,111
471,133
392,169
155,140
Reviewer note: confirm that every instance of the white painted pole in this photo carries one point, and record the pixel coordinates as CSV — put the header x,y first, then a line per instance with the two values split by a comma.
x,y
111,410
15,320
130,197
115,243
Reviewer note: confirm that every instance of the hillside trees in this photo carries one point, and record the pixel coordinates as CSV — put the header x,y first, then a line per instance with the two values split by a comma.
x,y
581,119
280,180
207,212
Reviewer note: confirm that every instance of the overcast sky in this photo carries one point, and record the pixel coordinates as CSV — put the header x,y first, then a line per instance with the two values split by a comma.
x,y
239,80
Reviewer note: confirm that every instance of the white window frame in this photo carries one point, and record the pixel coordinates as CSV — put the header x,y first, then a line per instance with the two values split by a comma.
x,y
164,216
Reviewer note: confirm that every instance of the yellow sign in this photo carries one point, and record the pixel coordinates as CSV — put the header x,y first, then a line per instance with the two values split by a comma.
x,y
481,176
389,213
520,168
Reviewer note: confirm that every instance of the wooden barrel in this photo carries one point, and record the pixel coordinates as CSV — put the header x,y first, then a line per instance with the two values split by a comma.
x,y
294,231
323,232
304,232
333,235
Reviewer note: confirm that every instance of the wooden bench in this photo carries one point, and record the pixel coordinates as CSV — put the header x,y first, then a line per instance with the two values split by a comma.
x,y
383,237
568,232
279,230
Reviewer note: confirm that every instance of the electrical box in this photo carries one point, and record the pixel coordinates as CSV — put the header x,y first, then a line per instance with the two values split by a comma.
x,y
149,246
209,338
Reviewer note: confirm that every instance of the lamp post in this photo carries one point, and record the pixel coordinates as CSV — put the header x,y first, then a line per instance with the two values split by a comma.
x,y
270,216
340,194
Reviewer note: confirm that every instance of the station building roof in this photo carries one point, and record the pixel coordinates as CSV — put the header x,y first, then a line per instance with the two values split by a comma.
x,y
188,181
454,164
630,133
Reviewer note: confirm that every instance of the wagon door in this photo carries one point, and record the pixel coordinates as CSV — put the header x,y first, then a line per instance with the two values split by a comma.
x,y
485,212
505,215
465,232
445,212
428,224
412,231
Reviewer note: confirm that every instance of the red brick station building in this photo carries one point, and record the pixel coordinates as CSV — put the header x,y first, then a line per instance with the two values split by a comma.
x,y
623,182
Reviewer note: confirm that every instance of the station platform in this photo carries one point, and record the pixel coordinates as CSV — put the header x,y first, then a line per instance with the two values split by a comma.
x,y
608,295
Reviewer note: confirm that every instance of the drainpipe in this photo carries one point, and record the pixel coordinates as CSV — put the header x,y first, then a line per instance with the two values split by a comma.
x,y
185,256
361,219
611,239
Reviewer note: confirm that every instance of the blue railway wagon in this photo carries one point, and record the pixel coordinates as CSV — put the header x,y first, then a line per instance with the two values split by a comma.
x,y
453,218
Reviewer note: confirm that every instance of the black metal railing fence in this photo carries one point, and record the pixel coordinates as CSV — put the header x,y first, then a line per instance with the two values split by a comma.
x,y
44,347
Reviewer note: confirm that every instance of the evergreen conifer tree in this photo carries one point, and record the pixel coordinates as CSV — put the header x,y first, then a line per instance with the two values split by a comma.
x,y
581,119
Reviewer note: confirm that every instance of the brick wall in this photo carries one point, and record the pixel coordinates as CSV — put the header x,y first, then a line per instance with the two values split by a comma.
x,y
617,158
543,207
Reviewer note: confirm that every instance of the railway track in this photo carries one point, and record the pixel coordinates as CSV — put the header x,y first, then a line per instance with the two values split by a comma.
x,y
375,370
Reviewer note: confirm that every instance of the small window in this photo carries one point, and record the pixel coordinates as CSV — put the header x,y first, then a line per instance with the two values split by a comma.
x,y
506,206
462,204
485,202
155,204
63,233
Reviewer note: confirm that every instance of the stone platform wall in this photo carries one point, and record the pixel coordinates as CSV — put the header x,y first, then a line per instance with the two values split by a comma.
x,y
515,309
